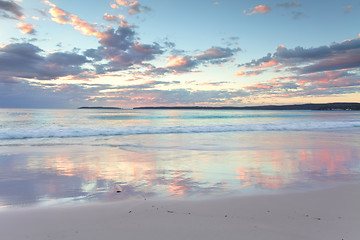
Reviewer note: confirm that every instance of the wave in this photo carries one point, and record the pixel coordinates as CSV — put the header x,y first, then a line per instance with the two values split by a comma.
x,y
70,132
190,117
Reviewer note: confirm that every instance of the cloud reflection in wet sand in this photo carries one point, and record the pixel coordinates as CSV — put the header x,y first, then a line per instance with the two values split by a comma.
x,y
80,173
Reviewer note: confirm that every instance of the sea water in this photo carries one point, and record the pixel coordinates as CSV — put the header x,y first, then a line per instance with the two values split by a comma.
x,y
56,156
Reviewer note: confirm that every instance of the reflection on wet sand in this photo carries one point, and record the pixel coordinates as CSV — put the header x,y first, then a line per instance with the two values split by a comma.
x,y
83,173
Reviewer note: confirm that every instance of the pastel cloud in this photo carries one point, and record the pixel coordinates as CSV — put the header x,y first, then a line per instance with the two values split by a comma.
x,y
348,9
61,16
26,28
180,64
113,5
319,71
337,56
315,84
155,97
9,9
249,73
270,63
257,66
124,3
57,95
183,64
113,18
134,7
120,19
119,47
259,9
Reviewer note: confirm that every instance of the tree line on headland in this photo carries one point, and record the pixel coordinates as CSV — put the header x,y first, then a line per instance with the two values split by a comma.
x,y
310,106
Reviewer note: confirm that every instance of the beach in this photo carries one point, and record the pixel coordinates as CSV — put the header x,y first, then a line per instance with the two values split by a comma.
x,y
324,214
152,120
179,174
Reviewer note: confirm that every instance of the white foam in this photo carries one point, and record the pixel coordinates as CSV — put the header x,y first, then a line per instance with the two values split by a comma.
x,y
69,132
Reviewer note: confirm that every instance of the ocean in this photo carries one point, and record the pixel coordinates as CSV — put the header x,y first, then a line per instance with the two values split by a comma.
x,y
66,157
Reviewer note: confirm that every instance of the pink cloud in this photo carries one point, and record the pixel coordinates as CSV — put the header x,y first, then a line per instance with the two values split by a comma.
x,y
133,5
259,86
142,49
248,73
270,63
124,3
63,17
320,84
258,68
114,6
176,61
120,19
259,9
26,28
59,15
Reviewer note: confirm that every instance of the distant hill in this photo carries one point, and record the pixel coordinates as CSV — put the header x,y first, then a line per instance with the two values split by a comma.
x,y
99,108
310,106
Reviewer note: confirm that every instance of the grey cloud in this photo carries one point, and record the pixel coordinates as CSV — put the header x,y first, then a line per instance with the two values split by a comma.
x,y
300,53
121,60
158,71
216,55
19,58
346,45
121,50
25,60
66,59
255,63
288,4
7,7
42,12
23,95
350,60
298,15
136,8
120,39
169,44
308,60
95,54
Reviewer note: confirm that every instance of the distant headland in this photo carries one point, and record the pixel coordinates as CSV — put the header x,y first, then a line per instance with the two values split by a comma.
x,y
310,106
99,108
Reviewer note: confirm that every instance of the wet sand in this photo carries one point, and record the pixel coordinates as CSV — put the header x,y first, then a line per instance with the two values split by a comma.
x,y
326,214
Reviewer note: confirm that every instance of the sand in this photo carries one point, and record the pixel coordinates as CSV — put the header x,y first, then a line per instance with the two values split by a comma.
x,y
322,215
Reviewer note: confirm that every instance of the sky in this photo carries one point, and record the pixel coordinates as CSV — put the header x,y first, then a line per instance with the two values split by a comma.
x,y
129,53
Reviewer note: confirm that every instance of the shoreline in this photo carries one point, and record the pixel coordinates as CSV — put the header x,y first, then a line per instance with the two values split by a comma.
x,y
316,214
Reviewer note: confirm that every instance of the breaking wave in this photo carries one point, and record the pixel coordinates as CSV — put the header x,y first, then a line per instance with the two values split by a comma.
x,y
70,132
